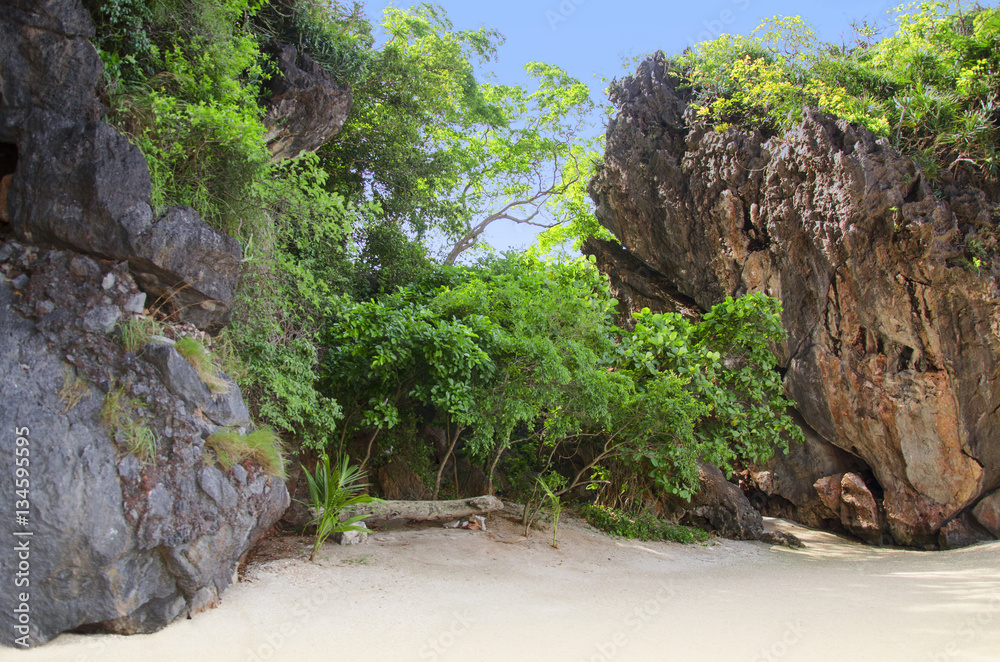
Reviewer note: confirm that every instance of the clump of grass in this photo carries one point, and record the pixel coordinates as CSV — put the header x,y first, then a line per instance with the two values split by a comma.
x,y
225,444
136,332
73,391
228,357
201,360
262,446
641,527
115,409
127,428
140,440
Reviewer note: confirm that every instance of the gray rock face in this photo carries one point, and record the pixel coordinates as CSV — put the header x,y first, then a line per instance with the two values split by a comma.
x,y
81,186
892,354
118,544
48,61
224,409
306,107
70,180
194,267
85,187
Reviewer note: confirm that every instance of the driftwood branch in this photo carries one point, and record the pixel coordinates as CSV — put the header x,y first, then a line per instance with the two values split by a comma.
x,y
426,510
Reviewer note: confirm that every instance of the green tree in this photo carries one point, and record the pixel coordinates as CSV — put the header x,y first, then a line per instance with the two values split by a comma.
x,y
444,153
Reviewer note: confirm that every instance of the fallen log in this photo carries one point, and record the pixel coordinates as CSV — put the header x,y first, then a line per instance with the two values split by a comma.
x,y
383,511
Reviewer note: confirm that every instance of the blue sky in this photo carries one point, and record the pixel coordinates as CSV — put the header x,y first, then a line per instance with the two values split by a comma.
x,y
590,38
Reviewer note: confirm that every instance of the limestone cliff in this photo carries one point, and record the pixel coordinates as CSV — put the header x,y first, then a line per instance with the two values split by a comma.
x,y
894,340
108,535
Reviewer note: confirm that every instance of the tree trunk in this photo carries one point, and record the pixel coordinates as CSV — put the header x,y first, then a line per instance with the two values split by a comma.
x,y
444,462
426,510
368,453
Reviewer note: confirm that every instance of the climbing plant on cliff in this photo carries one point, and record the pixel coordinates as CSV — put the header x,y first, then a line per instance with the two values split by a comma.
x,y
931,87
726,363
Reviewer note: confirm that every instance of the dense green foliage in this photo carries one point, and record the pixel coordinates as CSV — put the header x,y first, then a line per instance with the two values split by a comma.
x,y
520,351
932,87
350,337
641,527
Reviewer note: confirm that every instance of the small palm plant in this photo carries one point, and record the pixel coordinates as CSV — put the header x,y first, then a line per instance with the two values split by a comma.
x,y
331,491
554,483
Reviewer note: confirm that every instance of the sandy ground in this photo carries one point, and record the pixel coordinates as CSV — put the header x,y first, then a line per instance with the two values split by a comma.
x,y
440,594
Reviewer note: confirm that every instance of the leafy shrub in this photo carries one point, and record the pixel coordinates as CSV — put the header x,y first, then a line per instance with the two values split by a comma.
x,y
640,527
726,364
337,37
930,88
282,377
517,351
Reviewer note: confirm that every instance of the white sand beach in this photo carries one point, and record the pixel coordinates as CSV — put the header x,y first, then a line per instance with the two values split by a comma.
x,y
441,594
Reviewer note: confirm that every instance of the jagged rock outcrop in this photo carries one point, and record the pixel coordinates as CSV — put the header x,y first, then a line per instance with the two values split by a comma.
x,y
893,344
987,513
848,499
962,531
118,544
307,107
190,266
71,180
48,60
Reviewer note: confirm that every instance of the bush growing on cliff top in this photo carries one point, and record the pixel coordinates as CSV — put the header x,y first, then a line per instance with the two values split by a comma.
x,y
932,88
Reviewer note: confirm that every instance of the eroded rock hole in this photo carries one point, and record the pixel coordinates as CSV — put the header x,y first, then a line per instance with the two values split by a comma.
x,y
8,164
905,359
915,193
8,159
